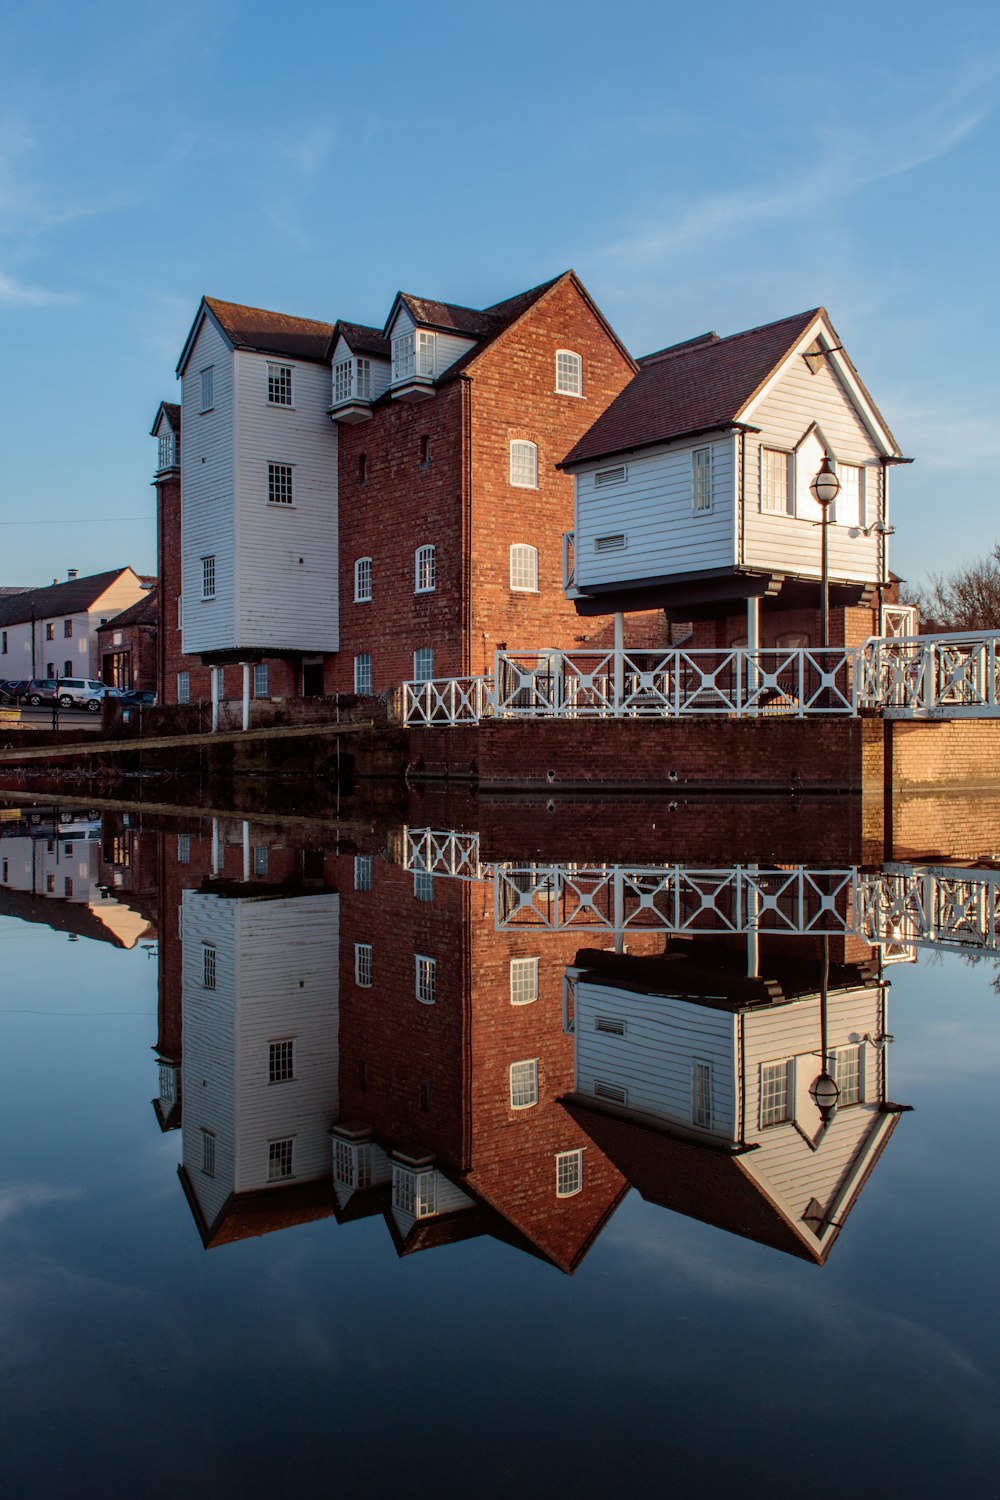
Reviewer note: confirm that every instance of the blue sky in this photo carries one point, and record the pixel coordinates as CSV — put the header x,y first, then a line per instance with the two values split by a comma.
x,y
699,166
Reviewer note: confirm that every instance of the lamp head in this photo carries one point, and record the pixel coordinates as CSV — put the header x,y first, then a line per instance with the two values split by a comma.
x,y
826,485
824,1092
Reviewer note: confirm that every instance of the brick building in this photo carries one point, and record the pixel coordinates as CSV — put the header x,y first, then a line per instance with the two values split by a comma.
x,y
127,645
363,506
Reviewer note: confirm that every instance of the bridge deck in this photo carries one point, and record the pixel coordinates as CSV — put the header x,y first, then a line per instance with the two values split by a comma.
x,y
179,741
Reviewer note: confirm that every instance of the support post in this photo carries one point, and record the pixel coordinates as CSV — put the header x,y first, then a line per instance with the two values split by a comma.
x,y
619,901
216,847
246,695
214,677
753,645
619,664
246,849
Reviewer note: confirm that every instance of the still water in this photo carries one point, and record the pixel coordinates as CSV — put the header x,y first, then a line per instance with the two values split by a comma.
x,y
331,1167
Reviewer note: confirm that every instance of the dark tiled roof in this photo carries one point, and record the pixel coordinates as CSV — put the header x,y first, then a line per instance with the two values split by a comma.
x,y
502,315
272,332
58,599
691,387
713,975
361,339
172,412
449,317
22,588
145,611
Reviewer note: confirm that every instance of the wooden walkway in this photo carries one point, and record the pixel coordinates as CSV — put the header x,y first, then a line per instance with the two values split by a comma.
x,y
79,748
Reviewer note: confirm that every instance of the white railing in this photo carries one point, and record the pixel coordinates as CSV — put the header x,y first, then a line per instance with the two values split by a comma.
x,y
954,676
446,700
899,619
933,906
434,851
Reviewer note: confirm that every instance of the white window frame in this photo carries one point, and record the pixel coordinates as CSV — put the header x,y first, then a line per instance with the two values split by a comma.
x,y
569,373
363,674
363,965
523,1081
363,580
208,388
523,464
775,1103
260,676
425,978
183,687
702,1114
569,1173
404,356
425,569
281,1060
208,578
180,611
343,1162
208,1152
767,494
839,516
523,565
209,966
423,664
423,885
343,380
425,352
183,848
261,860
523,981
281,1159
279,384
855,1051
279,485
701,480
363,378
363,871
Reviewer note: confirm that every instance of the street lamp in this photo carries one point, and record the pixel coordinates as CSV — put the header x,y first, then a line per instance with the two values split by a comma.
x,y
824,1091
826,488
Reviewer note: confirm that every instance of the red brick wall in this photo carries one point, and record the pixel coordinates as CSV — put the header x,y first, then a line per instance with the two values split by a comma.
x,y
141,644
847,627
171,659
946,753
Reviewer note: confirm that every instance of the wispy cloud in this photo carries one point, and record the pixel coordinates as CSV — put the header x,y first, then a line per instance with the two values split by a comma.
x,y
19,1198
15,293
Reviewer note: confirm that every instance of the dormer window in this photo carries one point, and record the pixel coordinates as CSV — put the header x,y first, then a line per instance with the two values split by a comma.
x,y
342,374
169,449
364,379
413,354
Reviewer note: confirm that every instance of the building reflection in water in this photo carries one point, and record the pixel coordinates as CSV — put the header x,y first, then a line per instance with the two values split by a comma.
x,y
343,1036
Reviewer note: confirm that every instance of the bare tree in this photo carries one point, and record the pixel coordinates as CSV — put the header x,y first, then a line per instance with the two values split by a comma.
x,y
967,599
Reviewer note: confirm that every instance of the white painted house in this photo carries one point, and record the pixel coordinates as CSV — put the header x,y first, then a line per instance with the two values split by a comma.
x,y
259,1078
54,877
52,632
259,481
695,1080
693,488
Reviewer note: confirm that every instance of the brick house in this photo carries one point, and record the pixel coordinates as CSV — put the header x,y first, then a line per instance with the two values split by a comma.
x,y
410,535
127,645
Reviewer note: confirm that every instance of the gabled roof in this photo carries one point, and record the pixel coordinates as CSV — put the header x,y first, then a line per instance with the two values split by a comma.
x,y
697,386
171,411
714,975
262,331
360,339
145,611
69,598
443,317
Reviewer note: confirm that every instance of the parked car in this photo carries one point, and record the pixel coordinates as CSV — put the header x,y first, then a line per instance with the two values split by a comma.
x,y
13,689
40,690
142,696
83,692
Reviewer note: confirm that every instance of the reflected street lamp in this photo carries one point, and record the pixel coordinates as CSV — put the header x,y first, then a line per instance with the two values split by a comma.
x,y
824,1091
826,488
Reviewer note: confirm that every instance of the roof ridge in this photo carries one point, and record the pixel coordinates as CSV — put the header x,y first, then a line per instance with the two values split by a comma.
x,y
271,312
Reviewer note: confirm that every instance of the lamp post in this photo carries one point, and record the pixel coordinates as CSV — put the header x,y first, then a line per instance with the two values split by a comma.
x,y
824,1090
826,488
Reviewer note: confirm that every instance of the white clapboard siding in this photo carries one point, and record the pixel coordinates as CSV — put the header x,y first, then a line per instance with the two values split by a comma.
x,y
286,556
209,1063
789,543
664,1036
208,520
381,368
287,987
664,535
448,1199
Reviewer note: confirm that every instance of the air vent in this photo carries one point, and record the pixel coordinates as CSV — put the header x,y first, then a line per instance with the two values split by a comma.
x,y
611,476
611,1091
610,1026
614,543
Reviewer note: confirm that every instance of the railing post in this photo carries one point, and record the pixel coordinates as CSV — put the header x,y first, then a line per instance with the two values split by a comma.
x,y
930,677
619,661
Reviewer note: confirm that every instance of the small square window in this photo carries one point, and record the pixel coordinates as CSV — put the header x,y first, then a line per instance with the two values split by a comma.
x,y
279,385
425,570
523,980
363,580
363,864
280,1061
208,388
363,674
279,1159
524,465
426,979
279,484
569,373
569,1173
208,967
260,688
524,1084
208,578
363,965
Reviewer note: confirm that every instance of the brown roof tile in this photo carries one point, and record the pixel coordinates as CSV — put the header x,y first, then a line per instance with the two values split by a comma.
x,y
272,332
145,611
58,599
691,387
361,339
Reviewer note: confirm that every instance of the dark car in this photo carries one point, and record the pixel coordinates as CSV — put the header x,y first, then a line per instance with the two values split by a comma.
x,y
142,696
13,689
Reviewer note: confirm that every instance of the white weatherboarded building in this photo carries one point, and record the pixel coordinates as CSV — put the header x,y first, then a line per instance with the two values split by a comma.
x,y
695,1081
52,632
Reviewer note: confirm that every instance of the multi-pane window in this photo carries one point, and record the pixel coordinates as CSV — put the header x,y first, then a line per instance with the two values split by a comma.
x,y
342,374
363,673
363,580
208,966
773,1093
50,632
425,351
701,478
219,679
208,388
847,1073
343,1162
425,570
165,450
524,465
279,484
363,864
849,508
261,860
426,979
208,1153
279,385
774,480
403,356
364,379
180,612
569,373
260,688
523,980
363,965
208,578
569,1173
524,1083
183,687
183,848
168,1084
281,1061
67,628
423,664
524,568
701,1095
404,1190
423,885
68,670
279,1159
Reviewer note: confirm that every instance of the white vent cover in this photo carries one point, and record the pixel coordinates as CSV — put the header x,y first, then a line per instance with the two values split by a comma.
x,y
617,475
612,1091
615,543
610,1025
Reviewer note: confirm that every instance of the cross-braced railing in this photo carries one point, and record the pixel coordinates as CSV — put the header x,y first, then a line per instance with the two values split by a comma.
x,y
434,851
953,676
446,700
933,906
